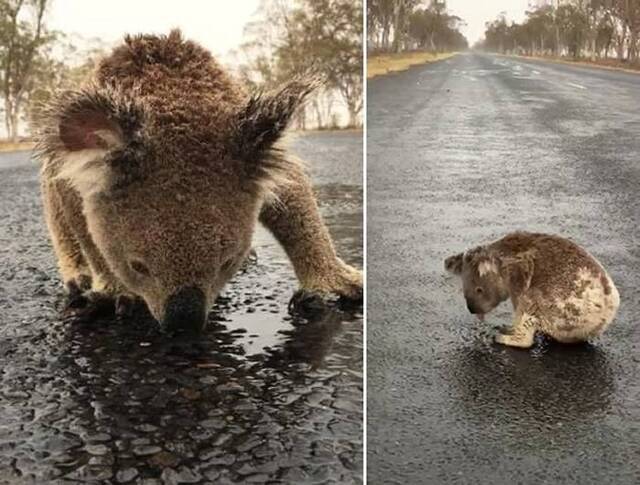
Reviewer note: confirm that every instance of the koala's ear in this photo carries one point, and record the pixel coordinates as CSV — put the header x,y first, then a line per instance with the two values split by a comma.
x,y
453,264
81,129
89,128
262,121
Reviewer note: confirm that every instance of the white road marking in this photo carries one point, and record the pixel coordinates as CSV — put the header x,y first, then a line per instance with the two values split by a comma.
x,y
576,86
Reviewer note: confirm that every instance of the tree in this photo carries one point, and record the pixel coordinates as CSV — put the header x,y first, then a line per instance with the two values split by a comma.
x,y
579,28
413,25
326,36
380,15
22,36
308,36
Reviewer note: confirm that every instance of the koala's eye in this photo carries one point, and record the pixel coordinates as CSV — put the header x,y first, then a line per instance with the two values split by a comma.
x,y
230,263
479,290
140,268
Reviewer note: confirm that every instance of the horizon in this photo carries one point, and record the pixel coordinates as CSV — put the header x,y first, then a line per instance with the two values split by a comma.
x,y
475,14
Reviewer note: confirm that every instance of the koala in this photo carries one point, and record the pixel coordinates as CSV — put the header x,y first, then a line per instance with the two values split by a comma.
x,y
155,174
556,287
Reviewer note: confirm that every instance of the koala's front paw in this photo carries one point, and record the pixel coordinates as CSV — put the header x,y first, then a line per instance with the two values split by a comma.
x,y
75,291
342,286
346,282
125,306
89,305
307,304
521,340
504,329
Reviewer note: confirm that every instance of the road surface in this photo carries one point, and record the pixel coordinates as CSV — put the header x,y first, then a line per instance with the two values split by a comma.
x,y
119,403
461,152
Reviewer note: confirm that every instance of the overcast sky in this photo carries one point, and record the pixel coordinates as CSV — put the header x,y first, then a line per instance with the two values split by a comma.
x,y
216,24
477,12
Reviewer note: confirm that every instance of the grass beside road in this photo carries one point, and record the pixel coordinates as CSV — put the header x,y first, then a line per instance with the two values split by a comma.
x,y
612,64
7,146
380,64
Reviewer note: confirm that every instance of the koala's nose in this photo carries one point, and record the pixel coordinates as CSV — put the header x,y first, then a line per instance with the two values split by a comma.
x,y
471,307
186,311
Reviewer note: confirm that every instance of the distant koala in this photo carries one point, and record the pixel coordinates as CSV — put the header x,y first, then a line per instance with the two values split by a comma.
x,y
555,286
155,175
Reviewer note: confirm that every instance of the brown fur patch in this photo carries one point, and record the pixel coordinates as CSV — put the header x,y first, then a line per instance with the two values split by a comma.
x,y
550,252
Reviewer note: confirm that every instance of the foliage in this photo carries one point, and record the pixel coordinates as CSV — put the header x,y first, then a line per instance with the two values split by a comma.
x,y
401,25
577,28
22,37
300,37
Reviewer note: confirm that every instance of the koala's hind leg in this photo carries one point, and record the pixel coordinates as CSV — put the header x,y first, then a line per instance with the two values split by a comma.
x,y
521,333
295,221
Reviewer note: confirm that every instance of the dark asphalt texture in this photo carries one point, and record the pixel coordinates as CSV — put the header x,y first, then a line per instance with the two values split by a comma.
x,y
118,402
461,152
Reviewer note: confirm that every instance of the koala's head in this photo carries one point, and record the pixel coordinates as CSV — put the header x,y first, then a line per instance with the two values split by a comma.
x,y
482,280
172,209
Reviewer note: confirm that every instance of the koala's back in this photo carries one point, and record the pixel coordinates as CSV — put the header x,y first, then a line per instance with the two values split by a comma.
x,y
557,260
568,283
168,69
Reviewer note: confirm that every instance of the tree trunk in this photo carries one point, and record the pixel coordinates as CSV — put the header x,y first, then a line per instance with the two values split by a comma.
x,y
12,119
632,51
385,36
621,40
397,27
316,107
353,116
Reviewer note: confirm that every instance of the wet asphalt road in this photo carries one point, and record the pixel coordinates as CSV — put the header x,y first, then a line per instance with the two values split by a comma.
x,y
461,152
116,402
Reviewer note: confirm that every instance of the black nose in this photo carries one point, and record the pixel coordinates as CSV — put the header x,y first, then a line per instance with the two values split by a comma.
x,y
186,311
471,307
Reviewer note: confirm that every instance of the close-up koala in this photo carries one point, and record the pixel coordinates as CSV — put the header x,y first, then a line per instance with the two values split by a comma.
x,y
556,287
154,177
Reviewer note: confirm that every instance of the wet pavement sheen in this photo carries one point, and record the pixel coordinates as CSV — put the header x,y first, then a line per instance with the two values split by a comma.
x,y
261,397
459,153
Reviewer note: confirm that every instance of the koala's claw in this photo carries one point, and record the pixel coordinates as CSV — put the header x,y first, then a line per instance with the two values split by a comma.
x,y
355,295
348,286
124,306
89,305
307,303
504,329
76,289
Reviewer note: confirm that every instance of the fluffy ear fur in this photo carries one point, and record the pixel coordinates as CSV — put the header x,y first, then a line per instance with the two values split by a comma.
x,y
453,264
265,117
485,261
89,136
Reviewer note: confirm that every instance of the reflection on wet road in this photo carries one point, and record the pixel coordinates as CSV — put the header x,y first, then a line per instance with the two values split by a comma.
x,y
461,152
261,397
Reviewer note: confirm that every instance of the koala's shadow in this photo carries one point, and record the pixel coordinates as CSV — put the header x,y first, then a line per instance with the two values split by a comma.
x,y
551,384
